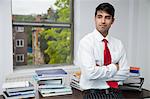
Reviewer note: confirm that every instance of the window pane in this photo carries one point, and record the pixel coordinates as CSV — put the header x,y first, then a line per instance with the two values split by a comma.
x,y
45,36
17,42
21,43
45,10
19,58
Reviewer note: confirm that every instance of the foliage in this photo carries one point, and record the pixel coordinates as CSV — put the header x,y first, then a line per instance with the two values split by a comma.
x,y
64,10
24,18
58,39
58,48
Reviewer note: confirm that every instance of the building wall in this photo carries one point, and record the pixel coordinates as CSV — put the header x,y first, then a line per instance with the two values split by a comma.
x,y
20,50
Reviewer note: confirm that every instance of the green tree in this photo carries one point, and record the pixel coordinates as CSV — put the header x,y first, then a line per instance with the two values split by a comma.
x,y
58,39
63,10
24,18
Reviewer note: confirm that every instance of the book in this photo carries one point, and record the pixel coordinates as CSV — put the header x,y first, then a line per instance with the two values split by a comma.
x,y
134,74
134,68
75,80
18,96
76,86
134,80
50,82
20,93
77,74
30,87
56,94
37,78
51,86
58,90
134,71
51,72
128,87
15,84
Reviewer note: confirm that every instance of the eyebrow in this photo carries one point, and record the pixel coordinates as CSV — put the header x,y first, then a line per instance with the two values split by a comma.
x,y
105,16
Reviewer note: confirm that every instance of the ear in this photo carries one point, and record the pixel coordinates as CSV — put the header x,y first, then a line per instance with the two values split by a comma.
x,y
94,18
113,19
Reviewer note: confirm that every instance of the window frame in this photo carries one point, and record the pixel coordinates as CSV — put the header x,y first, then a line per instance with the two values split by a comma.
x,y
19,29
51,25
20,55
20,40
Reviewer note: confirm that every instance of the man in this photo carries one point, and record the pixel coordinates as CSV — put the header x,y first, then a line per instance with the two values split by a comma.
x,y
102,58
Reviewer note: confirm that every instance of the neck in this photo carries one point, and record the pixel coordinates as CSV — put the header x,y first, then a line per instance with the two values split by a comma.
x,y
104,34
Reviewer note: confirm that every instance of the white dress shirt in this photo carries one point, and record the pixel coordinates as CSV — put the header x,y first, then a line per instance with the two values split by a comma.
x,y
90,53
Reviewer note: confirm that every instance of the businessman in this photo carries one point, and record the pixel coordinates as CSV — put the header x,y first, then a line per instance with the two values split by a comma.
x,y
102,58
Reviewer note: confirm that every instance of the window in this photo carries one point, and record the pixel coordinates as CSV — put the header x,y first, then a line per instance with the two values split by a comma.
x,y
43,36
19,58
19,29
19,42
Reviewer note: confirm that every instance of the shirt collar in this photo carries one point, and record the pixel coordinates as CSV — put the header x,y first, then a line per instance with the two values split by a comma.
x,y
100,37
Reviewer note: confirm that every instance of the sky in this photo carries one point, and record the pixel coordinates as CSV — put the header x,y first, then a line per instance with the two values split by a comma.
x,y
31,6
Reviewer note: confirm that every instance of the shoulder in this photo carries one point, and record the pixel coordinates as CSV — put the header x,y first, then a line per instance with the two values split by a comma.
x,y
87,39
116,41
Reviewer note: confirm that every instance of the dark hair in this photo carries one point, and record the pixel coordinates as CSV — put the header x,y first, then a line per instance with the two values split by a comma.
x,y
108,8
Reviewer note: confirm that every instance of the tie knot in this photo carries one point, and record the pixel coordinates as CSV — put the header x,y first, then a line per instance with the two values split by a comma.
x,y
105,41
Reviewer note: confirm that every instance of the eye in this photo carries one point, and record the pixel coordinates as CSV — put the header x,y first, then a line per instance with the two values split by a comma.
x,y
108,17
99,16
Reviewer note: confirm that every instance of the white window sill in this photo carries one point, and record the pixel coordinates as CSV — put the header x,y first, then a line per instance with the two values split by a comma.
x,y
31,71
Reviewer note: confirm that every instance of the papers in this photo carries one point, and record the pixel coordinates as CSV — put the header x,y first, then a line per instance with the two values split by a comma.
x,y
134,81
75,81
20,93
59,90
15,84
55,94
18,97
17,90
51,82
14,89
52,86
51,73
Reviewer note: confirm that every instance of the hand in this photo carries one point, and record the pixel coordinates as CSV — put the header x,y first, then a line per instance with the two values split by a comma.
x,y
117,65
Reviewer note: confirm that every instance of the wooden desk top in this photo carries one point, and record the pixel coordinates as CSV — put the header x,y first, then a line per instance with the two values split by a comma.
x,y
128,94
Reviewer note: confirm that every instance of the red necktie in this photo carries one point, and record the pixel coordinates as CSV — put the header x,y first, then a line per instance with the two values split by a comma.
x,y
107,61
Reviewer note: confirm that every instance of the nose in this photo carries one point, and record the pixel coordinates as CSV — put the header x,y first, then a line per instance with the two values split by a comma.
x,y
103,20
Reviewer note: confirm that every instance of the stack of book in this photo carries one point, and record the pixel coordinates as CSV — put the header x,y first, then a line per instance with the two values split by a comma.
x,y
134,81
18,90
52,82
75,80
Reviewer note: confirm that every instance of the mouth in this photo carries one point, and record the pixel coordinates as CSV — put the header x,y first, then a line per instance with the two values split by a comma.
x,y
102,26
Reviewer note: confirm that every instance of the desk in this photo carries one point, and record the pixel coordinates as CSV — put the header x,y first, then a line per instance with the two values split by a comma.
x,y
128,94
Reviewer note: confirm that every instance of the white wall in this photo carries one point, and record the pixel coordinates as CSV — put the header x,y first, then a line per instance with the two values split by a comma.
x,y
131,26
84,19
140,54
5,40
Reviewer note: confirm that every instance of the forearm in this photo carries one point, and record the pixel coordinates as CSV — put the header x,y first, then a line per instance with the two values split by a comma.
x,y
99,72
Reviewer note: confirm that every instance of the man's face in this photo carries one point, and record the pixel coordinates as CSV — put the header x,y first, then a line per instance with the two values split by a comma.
x,y
103,22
